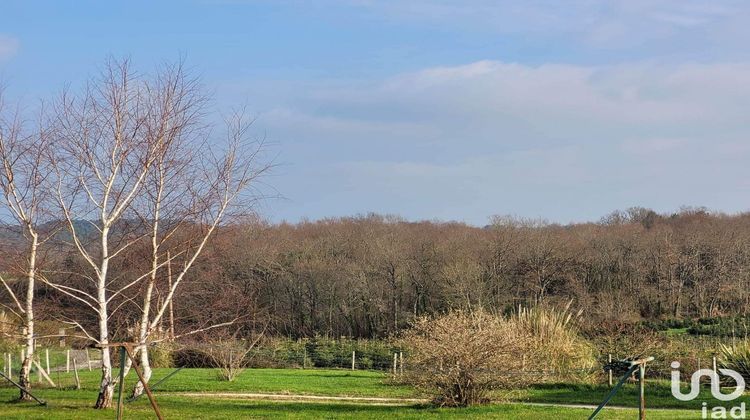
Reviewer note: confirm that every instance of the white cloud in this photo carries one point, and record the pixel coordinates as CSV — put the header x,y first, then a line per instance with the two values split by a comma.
x,y
560,141
8,46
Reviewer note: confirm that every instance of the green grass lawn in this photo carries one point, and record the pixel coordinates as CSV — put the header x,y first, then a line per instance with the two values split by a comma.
x,y
289,381
280,381
658,395
76,404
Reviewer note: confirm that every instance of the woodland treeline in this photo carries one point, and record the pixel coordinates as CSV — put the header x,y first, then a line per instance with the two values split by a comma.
x,y
370,276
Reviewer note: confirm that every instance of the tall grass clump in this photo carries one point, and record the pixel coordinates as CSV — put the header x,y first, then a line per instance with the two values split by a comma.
x,y
555,346
737,358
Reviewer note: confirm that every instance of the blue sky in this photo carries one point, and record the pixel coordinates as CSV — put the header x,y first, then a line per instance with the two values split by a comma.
x,y
452,110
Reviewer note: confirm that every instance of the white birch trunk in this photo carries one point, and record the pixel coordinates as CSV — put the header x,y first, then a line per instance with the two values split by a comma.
x,y
24,376
106,386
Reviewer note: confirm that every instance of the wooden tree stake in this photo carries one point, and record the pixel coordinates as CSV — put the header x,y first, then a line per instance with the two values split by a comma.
x,y
75,370
45,375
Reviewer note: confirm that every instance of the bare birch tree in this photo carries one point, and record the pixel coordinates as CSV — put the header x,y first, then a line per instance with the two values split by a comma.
x,y
135,164
23,181
105,152
194,188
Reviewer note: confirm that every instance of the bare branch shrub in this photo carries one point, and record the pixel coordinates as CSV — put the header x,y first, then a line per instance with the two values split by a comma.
x,y
229,356
463,355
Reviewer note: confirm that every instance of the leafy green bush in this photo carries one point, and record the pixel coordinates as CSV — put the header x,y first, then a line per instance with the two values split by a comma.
x,y
738,326
365,363
322,352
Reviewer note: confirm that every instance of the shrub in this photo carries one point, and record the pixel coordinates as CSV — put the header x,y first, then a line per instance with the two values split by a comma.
x,y
737,358
229,356
322,352
161,355
365,363
191,356
462,356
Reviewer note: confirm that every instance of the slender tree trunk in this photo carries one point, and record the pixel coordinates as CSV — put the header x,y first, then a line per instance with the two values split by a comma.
x,y
144,329
143,333
107,386
145,371
171,307
24,378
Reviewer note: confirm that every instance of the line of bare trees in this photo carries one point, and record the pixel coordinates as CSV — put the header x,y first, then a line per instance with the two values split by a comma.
x,y
110,195
371,276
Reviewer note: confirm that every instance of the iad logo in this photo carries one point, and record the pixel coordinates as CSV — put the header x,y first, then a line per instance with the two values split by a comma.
x,y
737,412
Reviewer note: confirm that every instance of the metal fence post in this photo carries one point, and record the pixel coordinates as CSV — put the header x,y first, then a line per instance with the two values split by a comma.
x,y
121,383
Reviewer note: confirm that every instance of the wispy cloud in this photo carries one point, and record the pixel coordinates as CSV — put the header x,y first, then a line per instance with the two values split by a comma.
x,y
683,26
8,46
551,16
506,138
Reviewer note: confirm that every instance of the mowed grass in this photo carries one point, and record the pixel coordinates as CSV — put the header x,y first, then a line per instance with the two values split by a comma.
x,y
76,404
658,395
289,381
277,381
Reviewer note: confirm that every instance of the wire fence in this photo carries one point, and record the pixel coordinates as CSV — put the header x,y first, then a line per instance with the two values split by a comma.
x,y
53,366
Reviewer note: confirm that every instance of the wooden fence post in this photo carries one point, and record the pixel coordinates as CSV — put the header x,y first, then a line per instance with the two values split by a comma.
x,y
401,362
61,333
75,370
642,393
395,362
353,356
88,359
714,364
46,356
67,361
39,369
609,373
